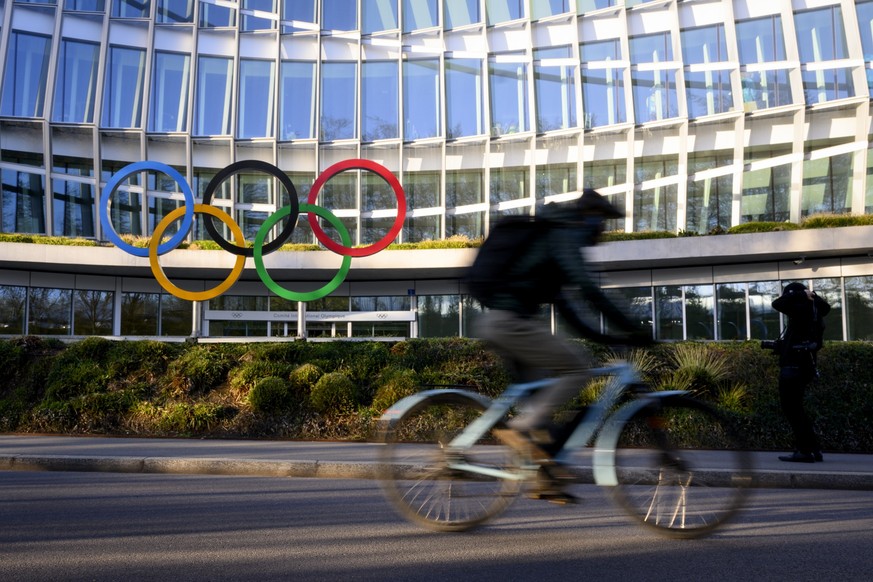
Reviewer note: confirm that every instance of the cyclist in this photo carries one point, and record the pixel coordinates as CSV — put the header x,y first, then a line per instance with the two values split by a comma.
x,y
551,269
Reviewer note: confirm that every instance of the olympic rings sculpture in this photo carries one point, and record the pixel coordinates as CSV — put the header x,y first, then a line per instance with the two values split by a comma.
x,y
289,213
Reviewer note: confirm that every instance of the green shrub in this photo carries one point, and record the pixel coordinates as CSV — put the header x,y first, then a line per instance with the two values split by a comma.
x,y
271,395
245,376
200,369
763,226
394,384
184,418
304,377
334,392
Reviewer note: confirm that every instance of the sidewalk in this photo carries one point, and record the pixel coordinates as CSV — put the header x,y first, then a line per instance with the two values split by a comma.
x,y
330,460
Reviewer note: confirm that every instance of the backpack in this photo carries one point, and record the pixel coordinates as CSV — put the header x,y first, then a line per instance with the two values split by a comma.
x,y
505,243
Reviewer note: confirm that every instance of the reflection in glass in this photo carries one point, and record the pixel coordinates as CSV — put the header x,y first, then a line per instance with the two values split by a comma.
x,y
22,202
139,313
668,313
827,185
339,15
130,8
830,290
421,99
438,316
509,184
699,312
122,97
176,316
212,108
297,101
175,11
50,311
766,194
92,312
464,108
555,90
76,82
255,116
168,108
215,16
250,22
27,61
459,13
761,41
859,308
338,80
731,311
763,319
12,309
509,102
378,15
418,14
379,95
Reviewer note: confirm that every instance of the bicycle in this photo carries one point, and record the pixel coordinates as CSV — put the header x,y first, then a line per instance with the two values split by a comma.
x,y
443,467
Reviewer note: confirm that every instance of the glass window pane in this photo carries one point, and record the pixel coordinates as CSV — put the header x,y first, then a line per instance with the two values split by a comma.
x,y
169,103
509,184
212,109
731,310
763,319
378,15
438,316
76,82
655,209
708,206
859,308
73,208
504,10
12,309
379,94
708,93
651,48
139,313
555,179
22,202
175,11
699,312
339,14
214,16
555,88
250,22
470,225
826,85
603,97
421,99
176,316
827,185
464,92
338,81
820,35
421,228
464,187
255,116
122,98
418,14
636,303
543,8
92,312
27,60
84,5
422,189
766,194
130,8
50,311
297,101
461,13
509,102
761,40
602,173
302,10
668,313
654,95
830,290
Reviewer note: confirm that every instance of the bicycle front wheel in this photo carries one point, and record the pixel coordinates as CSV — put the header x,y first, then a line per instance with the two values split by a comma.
x,y
681,468
437,486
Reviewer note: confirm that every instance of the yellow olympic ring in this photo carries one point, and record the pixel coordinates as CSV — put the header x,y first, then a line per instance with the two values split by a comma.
x,y
196,295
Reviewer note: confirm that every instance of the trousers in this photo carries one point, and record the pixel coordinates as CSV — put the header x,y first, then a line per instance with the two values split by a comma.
x,y
793,381
532,352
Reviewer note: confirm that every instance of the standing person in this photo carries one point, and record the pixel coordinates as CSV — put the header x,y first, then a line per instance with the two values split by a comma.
x,y
798,350
542,270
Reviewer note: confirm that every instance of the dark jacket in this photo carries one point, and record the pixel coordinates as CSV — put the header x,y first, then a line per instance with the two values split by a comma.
x,y
553,269
803,335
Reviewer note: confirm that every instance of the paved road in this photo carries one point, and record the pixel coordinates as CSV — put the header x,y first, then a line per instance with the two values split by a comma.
x,y
328,460
100,527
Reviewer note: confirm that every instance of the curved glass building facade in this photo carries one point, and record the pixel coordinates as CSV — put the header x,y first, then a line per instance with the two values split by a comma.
x,y
693,116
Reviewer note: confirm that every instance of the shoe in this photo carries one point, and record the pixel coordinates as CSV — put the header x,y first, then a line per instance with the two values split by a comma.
x,y
798,457
552,480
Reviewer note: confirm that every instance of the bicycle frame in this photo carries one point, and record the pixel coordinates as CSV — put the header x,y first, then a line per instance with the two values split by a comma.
x,y
597,423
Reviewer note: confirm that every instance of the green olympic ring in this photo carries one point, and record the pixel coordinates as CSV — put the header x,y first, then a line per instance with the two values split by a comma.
x,y
296,295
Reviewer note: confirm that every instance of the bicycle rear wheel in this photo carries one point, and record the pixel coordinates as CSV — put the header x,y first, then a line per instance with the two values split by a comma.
x,y
426,480
681,468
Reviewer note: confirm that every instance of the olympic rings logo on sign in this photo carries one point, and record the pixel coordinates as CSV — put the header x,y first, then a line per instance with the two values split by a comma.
x,y
290,213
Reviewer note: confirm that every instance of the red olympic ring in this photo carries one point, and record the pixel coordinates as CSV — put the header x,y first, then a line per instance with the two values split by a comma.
x,y
357,164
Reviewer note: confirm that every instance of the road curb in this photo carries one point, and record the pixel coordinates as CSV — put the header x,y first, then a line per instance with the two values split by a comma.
x,y
768,479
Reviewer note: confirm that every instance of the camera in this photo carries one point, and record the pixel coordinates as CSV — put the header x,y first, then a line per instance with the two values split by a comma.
x,y
774,345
